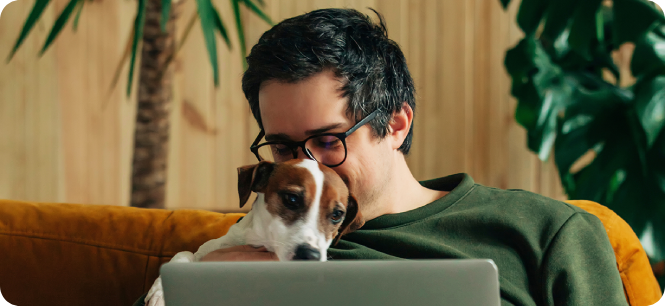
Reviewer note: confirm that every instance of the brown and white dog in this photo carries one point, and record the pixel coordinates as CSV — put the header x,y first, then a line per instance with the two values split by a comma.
x,y
301,206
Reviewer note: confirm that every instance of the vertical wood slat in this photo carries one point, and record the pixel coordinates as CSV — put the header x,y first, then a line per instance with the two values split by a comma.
x,y
58,144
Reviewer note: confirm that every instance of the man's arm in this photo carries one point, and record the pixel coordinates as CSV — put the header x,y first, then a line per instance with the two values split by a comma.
x,y
240,253
579,266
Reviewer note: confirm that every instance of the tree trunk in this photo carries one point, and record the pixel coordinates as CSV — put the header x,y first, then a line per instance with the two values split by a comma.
x,y
151,138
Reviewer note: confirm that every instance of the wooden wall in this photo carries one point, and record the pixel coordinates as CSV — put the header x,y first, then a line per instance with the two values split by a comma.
x,y
65,137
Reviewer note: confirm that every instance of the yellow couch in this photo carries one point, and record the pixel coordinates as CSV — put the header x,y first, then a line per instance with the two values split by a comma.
x,y
72,254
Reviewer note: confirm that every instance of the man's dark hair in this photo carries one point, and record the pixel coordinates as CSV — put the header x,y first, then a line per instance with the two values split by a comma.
x,y
347,42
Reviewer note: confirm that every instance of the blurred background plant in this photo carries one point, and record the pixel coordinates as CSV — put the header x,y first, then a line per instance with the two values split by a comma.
x,y
589,77
154,34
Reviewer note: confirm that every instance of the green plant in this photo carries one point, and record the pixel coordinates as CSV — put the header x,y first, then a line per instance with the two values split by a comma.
x,y
206,12
562,73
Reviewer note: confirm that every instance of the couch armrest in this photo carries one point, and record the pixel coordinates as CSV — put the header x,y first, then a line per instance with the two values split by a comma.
x,y
74,254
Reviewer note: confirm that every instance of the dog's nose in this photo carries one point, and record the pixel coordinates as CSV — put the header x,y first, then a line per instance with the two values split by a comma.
x,y
306,252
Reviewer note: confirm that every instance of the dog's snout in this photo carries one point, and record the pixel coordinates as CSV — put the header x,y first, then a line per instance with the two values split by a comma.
x,y
306,252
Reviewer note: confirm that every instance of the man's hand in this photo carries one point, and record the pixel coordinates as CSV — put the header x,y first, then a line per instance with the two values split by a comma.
x,y
241,253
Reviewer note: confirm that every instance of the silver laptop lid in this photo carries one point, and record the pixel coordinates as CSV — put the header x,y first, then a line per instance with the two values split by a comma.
x,y
333,283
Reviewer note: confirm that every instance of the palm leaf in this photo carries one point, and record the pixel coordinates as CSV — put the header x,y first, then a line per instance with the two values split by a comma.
x,y
251,5
221,28
166,10
79,9
206,14
123,59
36,12
139,22
59,24
241,32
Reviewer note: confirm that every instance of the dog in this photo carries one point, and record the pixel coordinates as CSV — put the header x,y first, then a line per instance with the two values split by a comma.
x,y
301,208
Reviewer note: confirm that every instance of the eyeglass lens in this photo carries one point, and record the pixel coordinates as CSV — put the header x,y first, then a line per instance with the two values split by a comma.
x,y
326,149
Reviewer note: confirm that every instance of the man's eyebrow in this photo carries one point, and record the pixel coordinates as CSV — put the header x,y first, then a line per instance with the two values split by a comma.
x,y
278,137
323,129
284,137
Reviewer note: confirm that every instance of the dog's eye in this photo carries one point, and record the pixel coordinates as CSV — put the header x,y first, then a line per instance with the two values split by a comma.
x,y
337,216
291,201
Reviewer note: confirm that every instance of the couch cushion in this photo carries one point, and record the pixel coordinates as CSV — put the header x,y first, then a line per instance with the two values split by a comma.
x,y
73,254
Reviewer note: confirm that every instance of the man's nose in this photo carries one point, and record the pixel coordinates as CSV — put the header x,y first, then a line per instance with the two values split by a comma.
x,y
301,154
306,252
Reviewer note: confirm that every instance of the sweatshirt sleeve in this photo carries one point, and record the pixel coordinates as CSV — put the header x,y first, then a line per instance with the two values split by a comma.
x,y
579,266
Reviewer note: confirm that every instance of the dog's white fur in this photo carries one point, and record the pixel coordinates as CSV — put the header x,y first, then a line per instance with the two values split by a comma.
x,y
260,228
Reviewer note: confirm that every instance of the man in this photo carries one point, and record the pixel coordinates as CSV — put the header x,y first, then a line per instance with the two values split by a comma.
x,y
325,71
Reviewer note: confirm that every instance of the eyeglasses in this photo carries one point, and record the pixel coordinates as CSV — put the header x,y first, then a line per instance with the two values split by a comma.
x,y
327,148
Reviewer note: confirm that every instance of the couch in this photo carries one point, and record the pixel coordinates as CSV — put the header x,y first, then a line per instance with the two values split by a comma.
x,y
74,254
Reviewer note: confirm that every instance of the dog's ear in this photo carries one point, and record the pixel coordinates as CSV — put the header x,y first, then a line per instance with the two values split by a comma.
x,y
253,178
352,221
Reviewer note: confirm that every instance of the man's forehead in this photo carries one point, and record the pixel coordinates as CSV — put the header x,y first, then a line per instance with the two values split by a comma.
x,y
296,110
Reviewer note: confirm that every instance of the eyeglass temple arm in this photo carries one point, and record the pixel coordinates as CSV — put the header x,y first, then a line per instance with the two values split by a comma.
x,y
362,122
258,138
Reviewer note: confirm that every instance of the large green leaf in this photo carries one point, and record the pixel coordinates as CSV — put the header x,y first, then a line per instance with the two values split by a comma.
x,y
656,220
632,18
207,17
59,24
631,200
583,30
649,55
580,129
572,142
541,91
35,13
79,9
656,156
252,6
219,24
617,152
519,59
166,11
557,17
650,107
530,15
520,65
139,23
241,32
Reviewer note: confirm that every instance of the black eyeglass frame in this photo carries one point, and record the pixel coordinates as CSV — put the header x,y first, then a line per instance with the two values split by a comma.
x,y
295,145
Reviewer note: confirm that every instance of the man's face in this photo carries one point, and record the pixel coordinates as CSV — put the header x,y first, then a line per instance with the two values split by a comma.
x,y
293,112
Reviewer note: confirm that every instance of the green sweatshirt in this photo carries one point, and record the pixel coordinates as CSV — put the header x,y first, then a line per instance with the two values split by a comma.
x,y
548,252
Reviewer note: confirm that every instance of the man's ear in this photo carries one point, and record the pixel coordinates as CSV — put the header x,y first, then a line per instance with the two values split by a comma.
x,y
400,125
352,221
253,178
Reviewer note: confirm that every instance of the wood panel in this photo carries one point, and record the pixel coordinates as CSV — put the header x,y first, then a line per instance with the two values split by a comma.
x,y
64,136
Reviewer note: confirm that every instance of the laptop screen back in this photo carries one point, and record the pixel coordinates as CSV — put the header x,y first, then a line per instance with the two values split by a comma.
x,y
333,283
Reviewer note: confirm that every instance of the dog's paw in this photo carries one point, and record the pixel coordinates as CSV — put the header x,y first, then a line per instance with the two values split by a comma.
x,y
155,296
183,257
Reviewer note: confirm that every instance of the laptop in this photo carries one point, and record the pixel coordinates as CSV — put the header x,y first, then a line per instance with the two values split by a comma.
x,y
334,283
